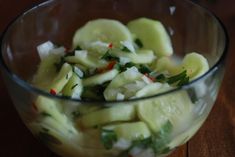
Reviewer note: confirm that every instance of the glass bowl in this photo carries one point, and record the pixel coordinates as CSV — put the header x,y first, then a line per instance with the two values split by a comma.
x,y
55,120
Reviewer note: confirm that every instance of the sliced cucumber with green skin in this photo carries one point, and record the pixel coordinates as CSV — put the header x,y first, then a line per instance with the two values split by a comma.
x,y
62,78
108,115
195,64
167,64
74,87
49,107
46,71
89,61
131,131
117,84
153,35
140,57
173,107
152,89
104,30
185,136
100,78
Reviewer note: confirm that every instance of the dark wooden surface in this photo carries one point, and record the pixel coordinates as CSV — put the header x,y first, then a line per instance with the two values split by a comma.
x,y
215,139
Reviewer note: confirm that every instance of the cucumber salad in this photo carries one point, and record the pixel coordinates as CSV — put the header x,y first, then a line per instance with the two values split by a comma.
x,y
110,61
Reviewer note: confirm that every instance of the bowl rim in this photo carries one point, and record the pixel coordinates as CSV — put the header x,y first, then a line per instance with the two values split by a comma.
x,y
37,91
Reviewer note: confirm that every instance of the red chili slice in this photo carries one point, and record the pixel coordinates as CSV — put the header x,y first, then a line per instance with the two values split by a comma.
x,y
110,45
53,92
111,65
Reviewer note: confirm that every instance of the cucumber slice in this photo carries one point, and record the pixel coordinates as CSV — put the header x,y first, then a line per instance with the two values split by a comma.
x,y
104,30
74,87
140,57
131,131
88,61
152,89
153,35
195,64
100,78
62,78
108,115
166,64
46,71
50,107
117,85
173,107
185,136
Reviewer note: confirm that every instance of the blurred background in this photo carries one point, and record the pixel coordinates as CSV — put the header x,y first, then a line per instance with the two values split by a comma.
x,y
215,139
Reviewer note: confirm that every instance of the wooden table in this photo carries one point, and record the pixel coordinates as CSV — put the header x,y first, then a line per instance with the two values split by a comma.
x,y
215,139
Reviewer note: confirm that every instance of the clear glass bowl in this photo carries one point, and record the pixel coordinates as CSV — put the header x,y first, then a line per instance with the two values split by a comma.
x,y
192,28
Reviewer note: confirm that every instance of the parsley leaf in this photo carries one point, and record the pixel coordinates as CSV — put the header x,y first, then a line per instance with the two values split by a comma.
x,y
108,138
181,78
144,69
107,56
139,43
125,49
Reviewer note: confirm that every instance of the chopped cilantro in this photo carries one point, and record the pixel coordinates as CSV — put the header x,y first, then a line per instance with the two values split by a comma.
x,y
107,56
181,78
144,69
45,114
139,43
125,49
74,86
108,138
161,78
78,48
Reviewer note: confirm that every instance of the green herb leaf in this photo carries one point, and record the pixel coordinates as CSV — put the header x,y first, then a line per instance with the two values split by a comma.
x,y
74,86
78,48
107,56
139,43
108,138
125,49
177,78
45,114
144,69
161,78
69,54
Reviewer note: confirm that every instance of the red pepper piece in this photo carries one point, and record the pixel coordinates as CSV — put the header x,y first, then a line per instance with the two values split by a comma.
x,y
111,65
53,92
110,45
151,78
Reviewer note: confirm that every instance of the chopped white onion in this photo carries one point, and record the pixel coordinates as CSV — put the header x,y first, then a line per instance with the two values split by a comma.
x,y
120,96
172,9
132,87
128,45
140,84
124,60
78,72
146,79
44,49
59,51
171,31
99,43
131,73
99,46
81,53
122,144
